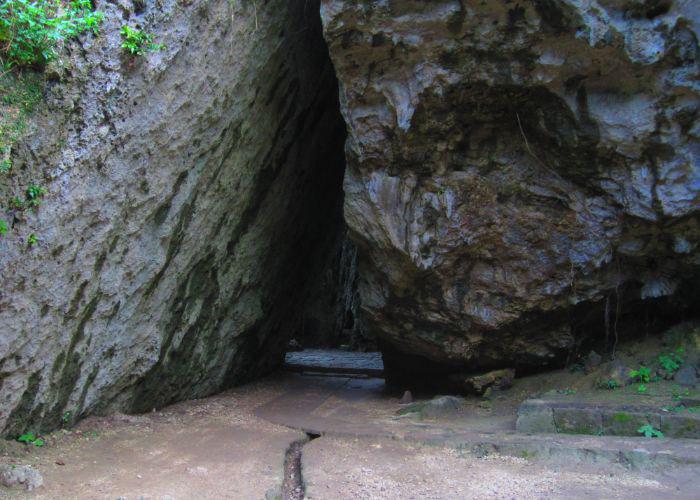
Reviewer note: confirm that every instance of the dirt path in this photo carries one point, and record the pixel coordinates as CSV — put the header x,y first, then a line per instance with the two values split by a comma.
x,y
213,448
342,468
234,446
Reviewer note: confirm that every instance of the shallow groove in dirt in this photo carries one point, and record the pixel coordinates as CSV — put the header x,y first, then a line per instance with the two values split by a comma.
x,y
293,487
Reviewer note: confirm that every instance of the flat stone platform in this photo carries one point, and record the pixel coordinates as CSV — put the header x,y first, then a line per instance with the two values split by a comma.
x,y
335,361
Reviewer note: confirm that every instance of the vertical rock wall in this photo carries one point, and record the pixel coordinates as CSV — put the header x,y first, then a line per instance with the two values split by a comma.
x,y
189,192
332,316
513,167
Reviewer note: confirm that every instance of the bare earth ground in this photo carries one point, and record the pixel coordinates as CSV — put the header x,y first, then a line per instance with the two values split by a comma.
x,y
233,446
343,468
213,448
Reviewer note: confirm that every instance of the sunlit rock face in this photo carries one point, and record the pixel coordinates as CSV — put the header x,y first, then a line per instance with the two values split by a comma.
x,y
191,193
519,173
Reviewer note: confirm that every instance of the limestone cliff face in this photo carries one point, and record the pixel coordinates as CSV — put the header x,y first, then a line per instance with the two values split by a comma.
x,y
182,210
519,173
513,167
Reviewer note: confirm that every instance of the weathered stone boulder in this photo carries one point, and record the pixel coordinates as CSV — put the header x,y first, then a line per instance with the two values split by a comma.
x,y
20,475
686,376
438,407
615,374
478,384
184,215
518,172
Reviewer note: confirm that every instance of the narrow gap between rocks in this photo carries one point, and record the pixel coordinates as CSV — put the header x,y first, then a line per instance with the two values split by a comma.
x,y
326,332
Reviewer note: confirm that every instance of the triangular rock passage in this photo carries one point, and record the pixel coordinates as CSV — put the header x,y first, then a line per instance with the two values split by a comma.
x,y
479,187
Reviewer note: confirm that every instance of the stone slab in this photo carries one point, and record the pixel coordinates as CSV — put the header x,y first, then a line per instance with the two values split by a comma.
x,y
547,416
335,361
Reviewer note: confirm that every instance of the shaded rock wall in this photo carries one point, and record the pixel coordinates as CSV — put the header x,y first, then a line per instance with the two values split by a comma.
x,y
517,170
183,211
331,314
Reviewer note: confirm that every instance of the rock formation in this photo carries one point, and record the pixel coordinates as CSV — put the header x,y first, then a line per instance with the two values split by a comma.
x,y
184,214
519,173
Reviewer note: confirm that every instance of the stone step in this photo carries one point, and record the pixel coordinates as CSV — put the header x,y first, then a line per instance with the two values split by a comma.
x,y
605,419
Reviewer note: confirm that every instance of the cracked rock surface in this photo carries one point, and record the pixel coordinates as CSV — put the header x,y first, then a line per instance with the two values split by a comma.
x,y
183,215
515,170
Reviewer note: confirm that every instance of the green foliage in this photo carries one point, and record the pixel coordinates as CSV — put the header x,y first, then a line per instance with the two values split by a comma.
x,y
611,384
643,374
66,418
32,240
642,389
3,227
31,438
34,194
671,362
138,42
678,394
31,30
648,431
19,94
17,203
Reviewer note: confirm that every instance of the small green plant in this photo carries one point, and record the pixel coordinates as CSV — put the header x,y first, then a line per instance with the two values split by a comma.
x,y
5,165
66,418
671,362
31,30
138,42
31,438
17,203
679,393
568,391
34,194
648,431
643,374
32,240
3,227
642,389
612,384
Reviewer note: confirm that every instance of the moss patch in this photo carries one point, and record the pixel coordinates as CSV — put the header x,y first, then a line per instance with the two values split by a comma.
x,y
25,415
19,96
622,417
